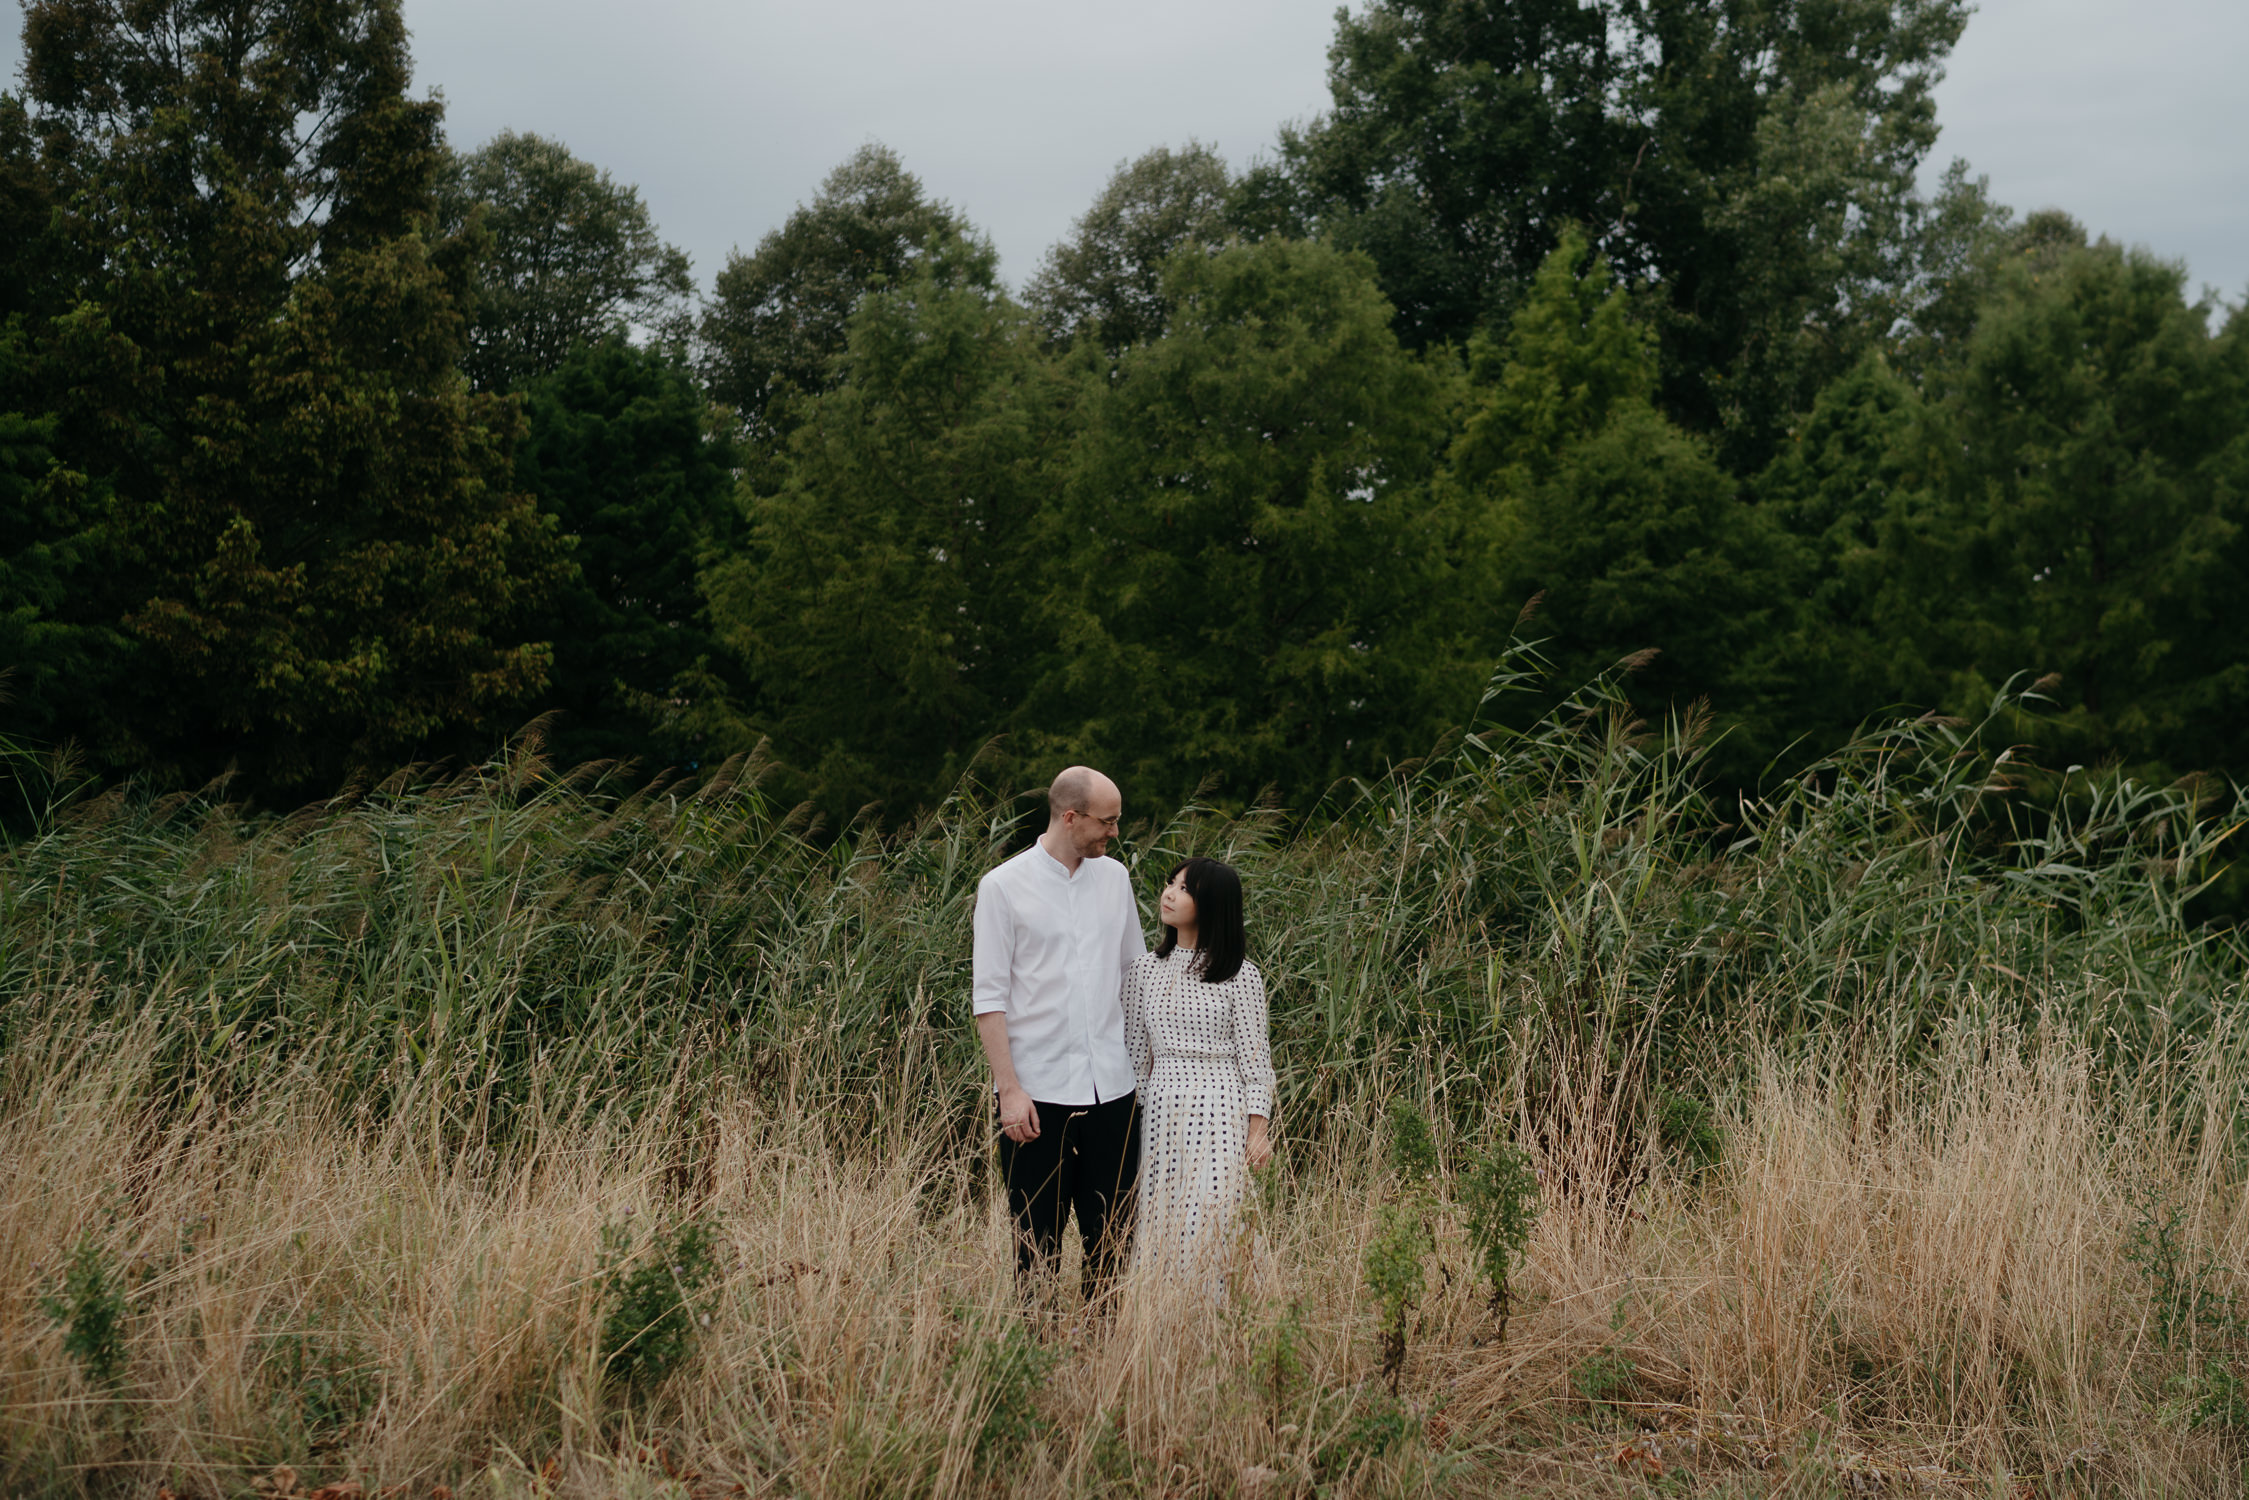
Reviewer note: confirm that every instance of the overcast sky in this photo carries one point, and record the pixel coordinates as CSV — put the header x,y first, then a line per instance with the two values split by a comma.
x,y
2129,113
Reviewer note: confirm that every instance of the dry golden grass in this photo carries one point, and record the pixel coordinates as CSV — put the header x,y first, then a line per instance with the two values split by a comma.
x,y
1888,1284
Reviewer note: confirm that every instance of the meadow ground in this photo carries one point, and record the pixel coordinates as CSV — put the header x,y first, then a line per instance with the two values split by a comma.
x,y
1995,1278
500,1133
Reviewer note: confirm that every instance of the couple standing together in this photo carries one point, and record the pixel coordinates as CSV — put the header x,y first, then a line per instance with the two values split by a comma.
x,y
1131,1085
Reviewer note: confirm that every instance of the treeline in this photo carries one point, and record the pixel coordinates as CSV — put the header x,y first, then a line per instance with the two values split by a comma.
x,y
325,447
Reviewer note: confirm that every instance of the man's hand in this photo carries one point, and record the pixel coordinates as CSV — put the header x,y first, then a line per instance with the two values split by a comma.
x,y
1260,1144
1019,1117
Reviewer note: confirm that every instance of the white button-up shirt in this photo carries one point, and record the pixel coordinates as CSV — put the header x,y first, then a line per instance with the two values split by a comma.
x,y
1051,951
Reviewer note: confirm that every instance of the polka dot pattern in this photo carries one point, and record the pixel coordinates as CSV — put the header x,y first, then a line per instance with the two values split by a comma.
x,y
1203,1067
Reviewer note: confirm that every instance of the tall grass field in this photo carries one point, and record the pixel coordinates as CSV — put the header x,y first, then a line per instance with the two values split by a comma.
x,y
519,1132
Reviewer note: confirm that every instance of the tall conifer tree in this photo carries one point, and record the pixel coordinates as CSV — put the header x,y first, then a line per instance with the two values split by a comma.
x,y
321,551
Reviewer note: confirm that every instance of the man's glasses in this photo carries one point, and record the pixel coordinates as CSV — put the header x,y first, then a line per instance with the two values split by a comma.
x,y
1108,823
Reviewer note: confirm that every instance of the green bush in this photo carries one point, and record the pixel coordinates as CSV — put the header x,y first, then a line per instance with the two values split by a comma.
x,y
1499,1195
652,1297
1395,1273
1001,1368
91,1307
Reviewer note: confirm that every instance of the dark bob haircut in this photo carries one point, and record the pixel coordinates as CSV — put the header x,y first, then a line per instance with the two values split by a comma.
x,y
1217,892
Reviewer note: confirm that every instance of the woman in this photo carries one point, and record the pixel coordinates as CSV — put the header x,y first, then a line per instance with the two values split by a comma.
x,y
1195,1026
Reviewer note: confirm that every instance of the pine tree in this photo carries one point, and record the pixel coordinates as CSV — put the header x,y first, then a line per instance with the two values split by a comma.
x,y
1255,568
2091,508
1623,525
619,455
320,550
880,605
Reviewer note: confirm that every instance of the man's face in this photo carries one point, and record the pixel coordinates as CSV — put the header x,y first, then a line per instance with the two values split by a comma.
x,y
1089,831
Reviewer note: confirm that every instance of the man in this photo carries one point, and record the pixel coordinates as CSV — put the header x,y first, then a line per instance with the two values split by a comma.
x,y
1056,927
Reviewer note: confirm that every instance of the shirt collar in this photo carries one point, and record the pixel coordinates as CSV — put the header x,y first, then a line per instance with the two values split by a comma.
x,y
1060,870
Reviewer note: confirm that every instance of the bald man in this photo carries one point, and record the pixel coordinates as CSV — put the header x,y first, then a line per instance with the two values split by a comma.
x,y
1056,927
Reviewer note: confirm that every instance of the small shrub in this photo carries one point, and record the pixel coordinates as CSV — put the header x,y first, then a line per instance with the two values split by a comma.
x,y
1499,1193
1688,1128
91,1307
2215,1395
1113,1466
1394,1258
1603,1378
1003,1371
1413,1151
328,1383
1279,1362
1379,1424
653,1301
2182,1297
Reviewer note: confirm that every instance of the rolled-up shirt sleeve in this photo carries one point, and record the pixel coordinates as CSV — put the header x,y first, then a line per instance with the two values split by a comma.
x,y
990,965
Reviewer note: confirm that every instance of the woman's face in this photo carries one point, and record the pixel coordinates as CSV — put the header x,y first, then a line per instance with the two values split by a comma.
x,y
1175,906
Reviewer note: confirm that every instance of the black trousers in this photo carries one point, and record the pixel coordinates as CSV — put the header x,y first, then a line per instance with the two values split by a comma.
x,y
1086,1157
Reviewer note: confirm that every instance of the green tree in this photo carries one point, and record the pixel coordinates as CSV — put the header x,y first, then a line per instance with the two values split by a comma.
x,y
1623,524
1254,564
58,657
2092,504
1750,162
1106,280
881,605
1850,491
572,256
618,454
778,319
318,545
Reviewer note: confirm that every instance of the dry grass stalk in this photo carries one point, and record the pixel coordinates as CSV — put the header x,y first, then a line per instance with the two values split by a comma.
x,y
1897,1282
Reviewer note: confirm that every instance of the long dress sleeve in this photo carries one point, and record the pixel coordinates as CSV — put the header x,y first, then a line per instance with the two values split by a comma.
x,y
1253,1050
1138,1046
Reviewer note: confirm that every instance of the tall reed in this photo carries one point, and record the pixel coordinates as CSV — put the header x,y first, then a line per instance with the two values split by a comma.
x,y
1883,1124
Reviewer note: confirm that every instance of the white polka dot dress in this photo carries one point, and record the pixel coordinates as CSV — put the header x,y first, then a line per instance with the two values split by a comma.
x,y
1203,1066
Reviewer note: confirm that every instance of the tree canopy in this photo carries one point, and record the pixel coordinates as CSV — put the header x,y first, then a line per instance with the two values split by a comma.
x,y
571,256
1622,327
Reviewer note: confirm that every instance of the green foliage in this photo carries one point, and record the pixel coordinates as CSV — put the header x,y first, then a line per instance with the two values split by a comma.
x,y
882,604
1753,165
1106,281
1395,1276
1848,494
618,455
91,1306
1278,1366
2091,508
1689,1130
1002,1369
1500,1197
778,319
1625,528
572,258
1413,1150
652,1296
1379,1425
325,1384
1394,1262
1252,579
59,658
2184,1300
1603,1378
316,543
2217,1396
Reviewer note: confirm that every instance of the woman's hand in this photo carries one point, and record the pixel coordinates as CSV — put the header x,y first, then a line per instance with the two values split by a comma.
x,y
1260,1144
